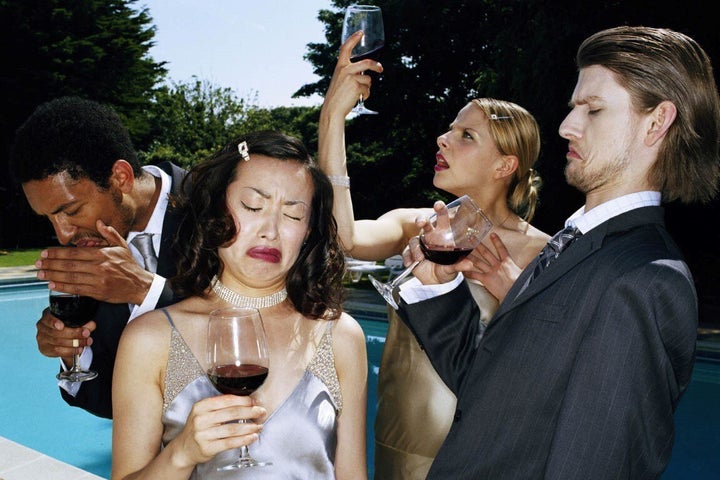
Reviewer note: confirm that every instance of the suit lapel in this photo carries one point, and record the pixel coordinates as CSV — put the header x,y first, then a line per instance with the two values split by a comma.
x,y
585,246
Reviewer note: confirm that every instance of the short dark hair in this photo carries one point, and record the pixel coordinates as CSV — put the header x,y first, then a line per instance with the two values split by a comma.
x,y
654,65
314,282
74,135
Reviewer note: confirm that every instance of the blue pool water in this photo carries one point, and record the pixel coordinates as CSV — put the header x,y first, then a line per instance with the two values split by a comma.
x,y
33,414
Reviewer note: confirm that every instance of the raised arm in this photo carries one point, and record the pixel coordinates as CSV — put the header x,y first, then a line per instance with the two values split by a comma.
x,y
345,88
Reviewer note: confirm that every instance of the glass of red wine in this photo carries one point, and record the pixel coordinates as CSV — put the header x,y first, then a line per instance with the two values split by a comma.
x,y
237,354
367,18
74,311
449,239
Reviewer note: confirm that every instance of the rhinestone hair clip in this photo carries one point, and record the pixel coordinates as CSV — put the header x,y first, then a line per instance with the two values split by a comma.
x,y
495,117
243,150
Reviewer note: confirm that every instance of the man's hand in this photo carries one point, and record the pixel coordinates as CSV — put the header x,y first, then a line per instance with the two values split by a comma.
x,y
109,274
54,339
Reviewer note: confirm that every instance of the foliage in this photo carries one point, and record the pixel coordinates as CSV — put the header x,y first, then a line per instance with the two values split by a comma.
x,y
96,49
192,120
439,55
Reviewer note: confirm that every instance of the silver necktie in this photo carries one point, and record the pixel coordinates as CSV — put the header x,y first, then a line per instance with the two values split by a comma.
x,y
143,242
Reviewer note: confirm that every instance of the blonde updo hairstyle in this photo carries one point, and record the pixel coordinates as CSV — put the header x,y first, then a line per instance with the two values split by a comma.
x,y
516,132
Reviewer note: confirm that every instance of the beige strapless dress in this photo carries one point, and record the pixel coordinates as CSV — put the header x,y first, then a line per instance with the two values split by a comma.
x,y
415,408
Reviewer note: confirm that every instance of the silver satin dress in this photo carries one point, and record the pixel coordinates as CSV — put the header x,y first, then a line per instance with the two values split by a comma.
x,y
299,437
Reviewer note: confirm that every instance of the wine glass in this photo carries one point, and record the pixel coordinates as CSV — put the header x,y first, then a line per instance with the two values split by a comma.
x,y
74,311
237,356
446,242
367,18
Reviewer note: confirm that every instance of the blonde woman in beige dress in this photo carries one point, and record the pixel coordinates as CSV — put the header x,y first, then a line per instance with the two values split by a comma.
x,y
488,154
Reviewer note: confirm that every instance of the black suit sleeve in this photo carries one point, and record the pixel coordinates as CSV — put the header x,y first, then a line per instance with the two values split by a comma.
x,y
448,328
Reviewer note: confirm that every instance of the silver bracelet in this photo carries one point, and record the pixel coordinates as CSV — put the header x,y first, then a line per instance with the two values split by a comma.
x,y
340,180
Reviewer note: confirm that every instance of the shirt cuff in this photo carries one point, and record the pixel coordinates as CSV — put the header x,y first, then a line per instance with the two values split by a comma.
x,y
151,299
85,360
413,291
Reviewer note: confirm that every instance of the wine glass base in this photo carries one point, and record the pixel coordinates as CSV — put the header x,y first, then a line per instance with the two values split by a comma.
x,y
385,290
71,376
243,463
362,111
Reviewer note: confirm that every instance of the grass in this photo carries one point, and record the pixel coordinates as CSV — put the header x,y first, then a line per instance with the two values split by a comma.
x,y
18,258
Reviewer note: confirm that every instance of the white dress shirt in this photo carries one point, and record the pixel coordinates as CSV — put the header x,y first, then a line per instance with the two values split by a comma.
x,y
154,226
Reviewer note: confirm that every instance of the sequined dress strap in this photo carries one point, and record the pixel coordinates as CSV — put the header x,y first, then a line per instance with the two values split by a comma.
x,y
182,367
322,366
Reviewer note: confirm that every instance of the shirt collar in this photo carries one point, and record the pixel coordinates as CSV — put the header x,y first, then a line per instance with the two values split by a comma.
x,y
586,221
155,223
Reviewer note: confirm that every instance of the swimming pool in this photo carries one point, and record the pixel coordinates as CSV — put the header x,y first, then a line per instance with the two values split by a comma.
x,y
33,414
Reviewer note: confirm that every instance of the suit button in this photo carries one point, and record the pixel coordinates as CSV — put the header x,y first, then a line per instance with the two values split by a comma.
x,y
458,414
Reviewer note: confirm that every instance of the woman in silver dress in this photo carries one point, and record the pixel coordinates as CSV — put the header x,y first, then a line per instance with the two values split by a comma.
x,y
259,231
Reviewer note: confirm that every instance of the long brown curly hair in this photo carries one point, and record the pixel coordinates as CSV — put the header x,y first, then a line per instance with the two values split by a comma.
x,y
314,282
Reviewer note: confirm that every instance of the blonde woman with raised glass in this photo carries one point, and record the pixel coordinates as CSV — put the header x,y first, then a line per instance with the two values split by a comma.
x,y
487,153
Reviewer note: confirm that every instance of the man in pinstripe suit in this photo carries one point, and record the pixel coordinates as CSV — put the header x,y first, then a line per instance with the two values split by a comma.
x,y
582,366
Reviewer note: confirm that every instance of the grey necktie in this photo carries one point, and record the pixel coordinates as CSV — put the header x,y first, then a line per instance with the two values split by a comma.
x,y
555,246
143,242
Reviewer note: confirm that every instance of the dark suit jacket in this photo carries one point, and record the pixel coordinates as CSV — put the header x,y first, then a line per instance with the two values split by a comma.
x,y
578,376
95,395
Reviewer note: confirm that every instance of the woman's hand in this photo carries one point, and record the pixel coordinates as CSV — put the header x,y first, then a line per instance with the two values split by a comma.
x,y
348,82
212,427
497,271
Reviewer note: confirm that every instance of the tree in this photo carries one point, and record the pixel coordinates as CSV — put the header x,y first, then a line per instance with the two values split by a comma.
x,y
96,49
439,55
191,120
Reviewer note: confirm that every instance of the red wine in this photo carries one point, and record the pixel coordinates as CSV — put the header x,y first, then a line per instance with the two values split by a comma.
x,y
444,255
373,54
74,311
238,379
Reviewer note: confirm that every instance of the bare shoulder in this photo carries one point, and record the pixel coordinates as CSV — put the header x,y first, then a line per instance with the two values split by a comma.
x,y
349,349
148,327
348,339
348,329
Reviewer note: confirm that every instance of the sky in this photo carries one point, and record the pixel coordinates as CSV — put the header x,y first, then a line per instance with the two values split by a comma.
x,y
254,47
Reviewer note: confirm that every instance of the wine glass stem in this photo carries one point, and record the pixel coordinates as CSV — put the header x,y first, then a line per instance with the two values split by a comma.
x,y
404,274
244,452
76,356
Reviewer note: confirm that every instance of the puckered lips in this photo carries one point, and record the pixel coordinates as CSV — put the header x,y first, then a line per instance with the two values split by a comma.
x,y
440,163
266,254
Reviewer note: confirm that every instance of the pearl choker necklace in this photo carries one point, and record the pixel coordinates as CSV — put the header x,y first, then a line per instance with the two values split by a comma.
x,y
249,302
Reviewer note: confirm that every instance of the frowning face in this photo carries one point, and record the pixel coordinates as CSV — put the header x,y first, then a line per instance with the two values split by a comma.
x,y
270,200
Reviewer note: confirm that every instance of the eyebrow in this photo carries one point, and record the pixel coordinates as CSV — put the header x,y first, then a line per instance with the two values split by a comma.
x,y
64,206
267,196
585,100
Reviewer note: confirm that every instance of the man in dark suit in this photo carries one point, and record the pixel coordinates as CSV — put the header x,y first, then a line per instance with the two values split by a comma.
x,y
582,366
76,164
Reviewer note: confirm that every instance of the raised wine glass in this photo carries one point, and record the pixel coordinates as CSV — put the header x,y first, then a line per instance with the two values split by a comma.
x,y
237,355
367,18
446,242
74,311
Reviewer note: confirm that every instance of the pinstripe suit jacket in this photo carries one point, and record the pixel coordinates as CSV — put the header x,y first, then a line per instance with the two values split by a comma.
x,y
578,376
111,318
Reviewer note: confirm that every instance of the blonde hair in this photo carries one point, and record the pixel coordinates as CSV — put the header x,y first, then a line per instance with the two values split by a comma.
x,y
516,132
